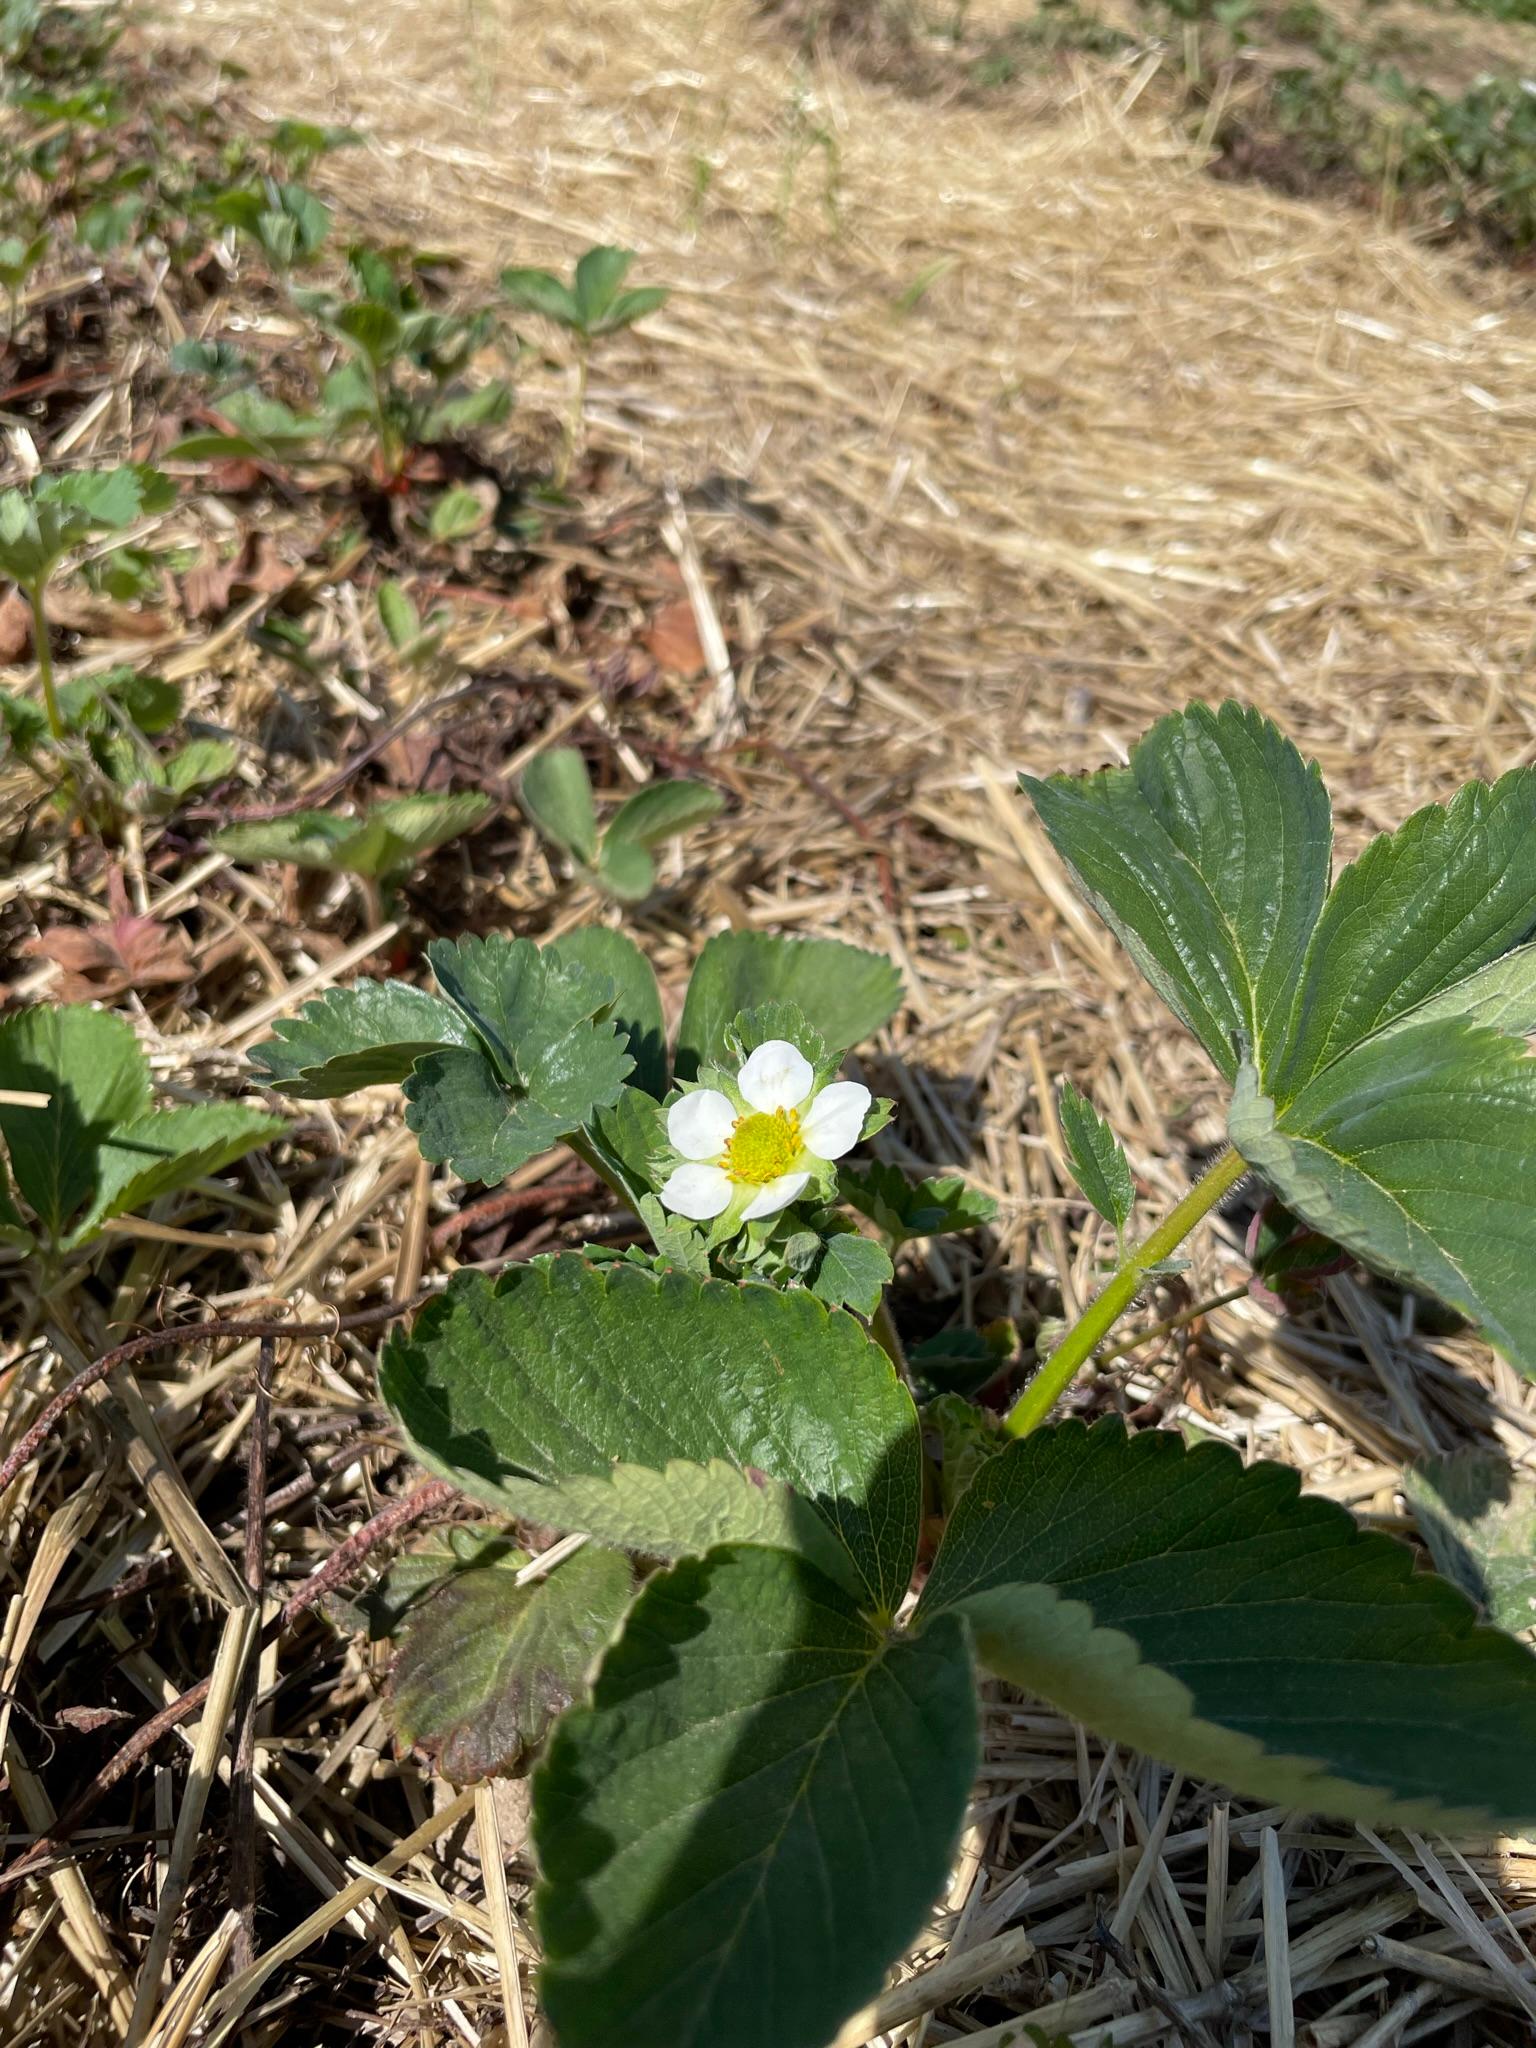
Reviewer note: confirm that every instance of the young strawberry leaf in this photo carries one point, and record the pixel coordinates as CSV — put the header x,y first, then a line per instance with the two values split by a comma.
x,y
166,1149
1209,859
382,845
1413,1151
358,1037
663,811
851,1272
1209,1614
557,795
615,1365
540,291
1103,1172
636,1004
485,1665
625,870
904,1209
845,993
599,273
762,1775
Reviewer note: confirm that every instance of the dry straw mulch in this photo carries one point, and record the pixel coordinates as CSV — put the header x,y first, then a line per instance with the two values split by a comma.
x,y
1141,437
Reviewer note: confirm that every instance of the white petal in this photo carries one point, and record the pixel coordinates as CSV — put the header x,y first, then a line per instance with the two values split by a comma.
x,y
700,1125
697,1192
777,1076
770,1200
836,1119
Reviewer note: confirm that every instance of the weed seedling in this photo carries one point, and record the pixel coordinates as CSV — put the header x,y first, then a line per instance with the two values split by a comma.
x,y
557,795
380,847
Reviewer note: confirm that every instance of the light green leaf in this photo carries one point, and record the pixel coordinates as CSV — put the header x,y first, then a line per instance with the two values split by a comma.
x,y
166,1149
905,1209
1478,1516
617,1365
627,1136
398,616
1213,1617
599,273
309,839
626,870
1102,1170
199,763
1414,1151
663,810
1421,909
397,832
90,1065
557,795
357,1037
540,291
752,1817
845,993
629,307
485,1665
1209,858
636,1005
1501,995
458,514
852,1272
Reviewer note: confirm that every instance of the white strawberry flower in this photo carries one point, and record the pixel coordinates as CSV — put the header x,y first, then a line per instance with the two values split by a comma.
x,y
757,1149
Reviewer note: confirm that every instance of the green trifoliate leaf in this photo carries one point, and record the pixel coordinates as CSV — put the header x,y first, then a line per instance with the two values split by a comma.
x,y
384,843
905,1209
1422,909
615,1365
1215,1618
485,1665
1415,1151
752,1817
1478,1517
662,811
1098,1161
1209,858
166,1149
557,795
851,1272
466,1115
94,1073
636,1003
845,993
358,1037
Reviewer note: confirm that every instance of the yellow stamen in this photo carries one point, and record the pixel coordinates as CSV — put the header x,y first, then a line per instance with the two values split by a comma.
x,y
762,1147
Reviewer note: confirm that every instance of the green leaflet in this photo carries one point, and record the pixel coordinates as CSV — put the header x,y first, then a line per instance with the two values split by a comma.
x,y
358,1037
636,1007
1417,1152
752,1816
1209,858
1214,1617
845,993
166,1149
617,1365
1102,1169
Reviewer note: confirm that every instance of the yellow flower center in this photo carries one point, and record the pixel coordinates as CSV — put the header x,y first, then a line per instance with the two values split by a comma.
x,y
762,1147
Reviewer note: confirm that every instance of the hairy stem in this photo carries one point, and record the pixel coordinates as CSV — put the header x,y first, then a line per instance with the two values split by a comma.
x,y
45,659
1122,1288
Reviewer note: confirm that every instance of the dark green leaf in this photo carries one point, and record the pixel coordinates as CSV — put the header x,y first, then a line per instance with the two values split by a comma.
x,y
357,1037
534,1011
1209,858
962,1437
1478,1515
1209,1614
614,1364
557,795
485,1665
636,1006
845,993
626,1136
1414,1151
1102,1170
905,1208
1420,910
752,1817
464,1114
90,1065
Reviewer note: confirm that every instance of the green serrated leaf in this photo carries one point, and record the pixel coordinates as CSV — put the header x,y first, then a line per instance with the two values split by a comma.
x,y
309,839
845,993
663,811
905,1209
465,1115
1098,1161
1422,909
90,1065
166,1149
197,764
761,1775
557,795
1210,1615
485,1665
614,1364
1208,857
1414,1152
852,1272
626,1136
523,1001
1501,995
401,829
1478,1516
358,1037
962,1437
636,1005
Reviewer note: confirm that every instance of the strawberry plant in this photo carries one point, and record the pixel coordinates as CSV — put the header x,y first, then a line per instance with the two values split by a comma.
x,y
380,847
762,1761
84,1140
592,305
109,767
557,795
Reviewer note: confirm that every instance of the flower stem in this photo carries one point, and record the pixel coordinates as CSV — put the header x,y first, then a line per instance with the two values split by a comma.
x,y
1086,1334
45,660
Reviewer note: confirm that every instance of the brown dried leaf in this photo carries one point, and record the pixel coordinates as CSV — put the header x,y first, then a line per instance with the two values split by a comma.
x,y
672,640
125,952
